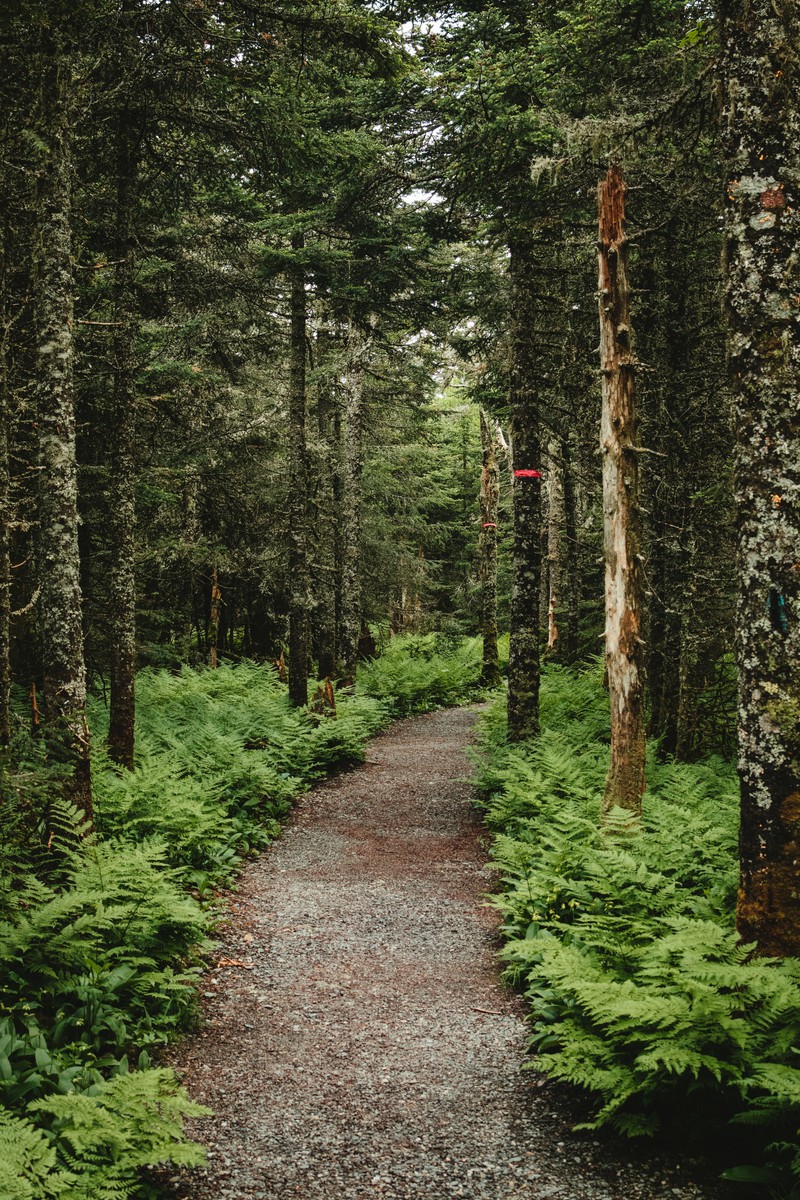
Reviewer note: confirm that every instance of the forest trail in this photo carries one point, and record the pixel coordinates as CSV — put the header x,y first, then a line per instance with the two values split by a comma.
x,y
367,1049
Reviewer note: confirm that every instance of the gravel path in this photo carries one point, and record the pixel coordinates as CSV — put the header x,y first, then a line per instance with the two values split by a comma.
x,y
357,1042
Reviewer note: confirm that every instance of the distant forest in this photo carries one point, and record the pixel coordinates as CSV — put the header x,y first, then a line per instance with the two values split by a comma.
x,y
300,333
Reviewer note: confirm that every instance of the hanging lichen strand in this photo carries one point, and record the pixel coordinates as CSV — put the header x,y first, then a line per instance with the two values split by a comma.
x,y
624,647
761,126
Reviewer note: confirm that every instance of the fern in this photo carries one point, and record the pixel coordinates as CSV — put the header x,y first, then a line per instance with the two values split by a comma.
x,y
417,673
100,932
28,1162
623,940
92,1147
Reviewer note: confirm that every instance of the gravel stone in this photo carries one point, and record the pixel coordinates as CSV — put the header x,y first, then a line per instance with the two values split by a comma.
x,y
368,1048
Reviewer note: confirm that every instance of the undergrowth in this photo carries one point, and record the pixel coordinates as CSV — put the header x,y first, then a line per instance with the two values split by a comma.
x,y
415,674
102,933
623,939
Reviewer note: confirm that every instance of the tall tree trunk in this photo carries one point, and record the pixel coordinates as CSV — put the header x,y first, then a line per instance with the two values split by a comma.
x,y
350,523
298,490
123,457
623,577
523,665
5,506
215,613
59,565
761,125
325,565
556,532
570,577
490,493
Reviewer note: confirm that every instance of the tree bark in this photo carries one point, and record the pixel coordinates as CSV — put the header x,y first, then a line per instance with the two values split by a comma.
x,y
5,507
489,498
298,490
761,128
570,579
523,665
215,612
123,457
350,522
66,729
623,578
556,522
325,565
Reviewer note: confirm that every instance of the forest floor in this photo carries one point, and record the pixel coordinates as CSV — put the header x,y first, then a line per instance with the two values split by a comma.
x,y
356,1040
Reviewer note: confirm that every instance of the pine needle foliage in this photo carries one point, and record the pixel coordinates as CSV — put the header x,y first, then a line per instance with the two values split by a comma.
x,y
623,938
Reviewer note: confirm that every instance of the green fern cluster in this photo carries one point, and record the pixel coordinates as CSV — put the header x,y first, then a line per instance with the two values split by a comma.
x,y
419,672
101,932
92,1146
623,938
230,752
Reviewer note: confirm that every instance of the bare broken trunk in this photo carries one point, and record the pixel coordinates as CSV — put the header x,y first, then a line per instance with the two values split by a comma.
x,y
490,493
623,583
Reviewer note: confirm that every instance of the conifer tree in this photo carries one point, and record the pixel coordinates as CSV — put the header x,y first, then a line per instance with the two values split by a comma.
x,y
128,136
60,612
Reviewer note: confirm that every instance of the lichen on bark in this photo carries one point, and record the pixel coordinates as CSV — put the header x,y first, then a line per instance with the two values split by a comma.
x,y
352,466
761,130
489,498
60,616
299,598
523,665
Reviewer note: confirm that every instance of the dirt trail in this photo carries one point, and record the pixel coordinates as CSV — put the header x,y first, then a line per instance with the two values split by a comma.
x,y
369,1051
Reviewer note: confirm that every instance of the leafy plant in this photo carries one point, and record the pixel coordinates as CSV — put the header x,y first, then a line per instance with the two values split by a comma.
x,y
419,672
91,1146
101,932
623,938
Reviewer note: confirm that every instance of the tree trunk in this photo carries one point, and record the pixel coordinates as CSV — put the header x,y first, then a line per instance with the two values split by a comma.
x,y
123,458
5,508
761,125
350,523
59,565
556,522
325,565
570,577
215,613
523,665
490,493
623,578
298,491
